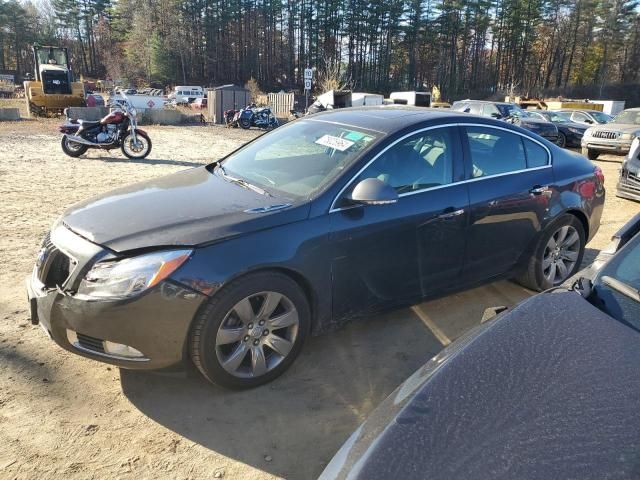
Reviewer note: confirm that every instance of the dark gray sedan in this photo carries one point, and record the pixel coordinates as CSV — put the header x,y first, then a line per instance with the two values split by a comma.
x,y
548,390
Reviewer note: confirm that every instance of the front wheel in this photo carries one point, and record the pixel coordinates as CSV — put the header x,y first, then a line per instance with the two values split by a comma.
x,y
557,256
245,123
590,154
73,149
136,150
251,331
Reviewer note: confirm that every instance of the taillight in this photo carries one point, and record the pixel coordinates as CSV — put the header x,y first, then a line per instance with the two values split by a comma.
x,y
599,175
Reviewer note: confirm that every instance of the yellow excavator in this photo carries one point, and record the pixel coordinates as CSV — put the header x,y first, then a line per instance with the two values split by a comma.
x,y
52,89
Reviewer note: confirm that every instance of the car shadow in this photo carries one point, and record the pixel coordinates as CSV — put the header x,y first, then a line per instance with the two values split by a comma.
x,y
149,161
590,255
302,418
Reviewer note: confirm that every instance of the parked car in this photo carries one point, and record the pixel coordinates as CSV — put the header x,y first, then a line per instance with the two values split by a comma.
x,y
615,137
333,216
569,133
586,117
547,390
509,112
199,104
94,100
629,180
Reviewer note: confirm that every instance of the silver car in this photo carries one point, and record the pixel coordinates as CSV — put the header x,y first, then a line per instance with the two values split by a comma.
x,y
614,137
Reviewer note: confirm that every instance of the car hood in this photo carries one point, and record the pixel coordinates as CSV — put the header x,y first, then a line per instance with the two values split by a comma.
x,y
616,127
579,126
538,126
190,207
547,390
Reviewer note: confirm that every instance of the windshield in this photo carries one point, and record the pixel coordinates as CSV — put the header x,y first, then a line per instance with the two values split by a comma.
x,y
52,56
508,110
631,117
558,117
299,159
614,296
601,117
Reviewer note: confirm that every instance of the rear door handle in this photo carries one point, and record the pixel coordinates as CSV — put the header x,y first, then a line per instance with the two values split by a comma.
x,y
539,190
450,213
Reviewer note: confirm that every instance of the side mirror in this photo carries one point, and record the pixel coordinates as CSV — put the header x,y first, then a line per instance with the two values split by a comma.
x,y
496,115
588,121
373,191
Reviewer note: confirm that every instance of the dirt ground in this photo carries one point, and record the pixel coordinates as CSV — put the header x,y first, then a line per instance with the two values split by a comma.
x,y
63,416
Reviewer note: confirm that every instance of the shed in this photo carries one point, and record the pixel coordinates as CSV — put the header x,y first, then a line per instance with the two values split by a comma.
x,y
335,99
610,107
413,98
226,97
362,99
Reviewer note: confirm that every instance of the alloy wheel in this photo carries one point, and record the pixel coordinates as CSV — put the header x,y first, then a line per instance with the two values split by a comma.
x,y
257,334
561,254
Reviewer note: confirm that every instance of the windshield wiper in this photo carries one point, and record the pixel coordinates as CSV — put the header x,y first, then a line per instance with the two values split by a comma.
x,y
243,183
621,287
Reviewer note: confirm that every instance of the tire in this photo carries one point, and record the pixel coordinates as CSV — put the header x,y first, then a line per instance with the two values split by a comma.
x,y
562,140
245,123
590,154
542,261
72,151
129,152
229,359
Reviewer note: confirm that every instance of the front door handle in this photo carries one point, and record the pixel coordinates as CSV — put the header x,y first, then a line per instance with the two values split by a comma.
x,y
450,213
539,190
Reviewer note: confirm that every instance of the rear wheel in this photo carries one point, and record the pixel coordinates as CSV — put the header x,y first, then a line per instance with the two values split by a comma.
x,y
73,149
557,256
245,123
138,149
590,154
251,331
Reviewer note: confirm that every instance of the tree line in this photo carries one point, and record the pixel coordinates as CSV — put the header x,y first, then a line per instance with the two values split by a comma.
x,y
465,47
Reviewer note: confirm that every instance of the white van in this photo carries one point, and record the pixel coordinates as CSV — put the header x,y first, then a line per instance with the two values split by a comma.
x,y
187,93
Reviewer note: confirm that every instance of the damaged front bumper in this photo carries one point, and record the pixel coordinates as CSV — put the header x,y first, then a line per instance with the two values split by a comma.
x,y
148,331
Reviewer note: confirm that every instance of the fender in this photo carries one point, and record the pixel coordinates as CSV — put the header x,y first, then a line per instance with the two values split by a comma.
x,y
143,132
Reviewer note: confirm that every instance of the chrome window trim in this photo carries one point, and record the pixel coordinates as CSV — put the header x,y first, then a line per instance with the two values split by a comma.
x,y
549,164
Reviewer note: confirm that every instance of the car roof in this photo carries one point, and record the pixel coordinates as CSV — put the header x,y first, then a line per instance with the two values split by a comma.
x,y
584,110
389,119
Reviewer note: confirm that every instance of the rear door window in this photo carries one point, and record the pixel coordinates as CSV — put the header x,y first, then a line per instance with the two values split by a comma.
x,y
494,151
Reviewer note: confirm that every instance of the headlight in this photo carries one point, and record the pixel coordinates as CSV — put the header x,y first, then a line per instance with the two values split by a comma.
x,y
128,277
628,136
576,130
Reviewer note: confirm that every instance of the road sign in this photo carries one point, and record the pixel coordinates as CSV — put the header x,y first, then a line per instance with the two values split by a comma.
x,y
307,84
308,73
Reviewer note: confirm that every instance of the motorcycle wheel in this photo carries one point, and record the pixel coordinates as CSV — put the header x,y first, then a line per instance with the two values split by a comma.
x,y
136,152
73,149
245,123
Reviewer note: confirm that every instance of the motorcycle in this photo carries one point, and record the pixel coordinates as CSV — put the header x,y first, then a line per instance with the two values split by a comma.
x,y
118,129
251,116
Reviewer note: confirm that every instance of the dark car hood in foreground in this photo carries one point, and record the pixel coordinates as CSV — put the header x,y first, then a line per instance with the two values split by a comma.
x,y
190,207
549,390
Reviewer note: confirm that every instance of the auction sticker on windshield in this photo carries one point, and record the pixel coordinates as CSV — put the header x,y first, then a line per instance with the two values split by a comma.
x,y
334,142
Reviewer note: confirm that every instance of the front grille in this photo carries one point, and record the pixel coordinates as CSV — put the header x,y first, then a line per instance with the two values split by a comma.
x,y
90,343
606,134
52,266
630,181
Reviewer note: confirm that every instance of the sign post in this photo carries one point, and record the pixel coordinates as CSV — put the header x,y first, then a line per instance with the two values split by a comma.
x,y
308,75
